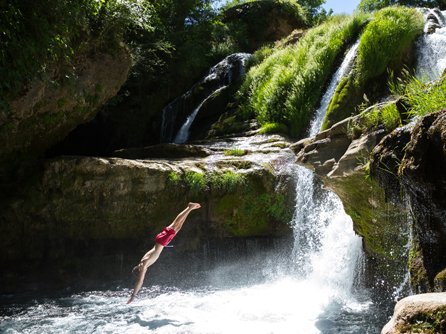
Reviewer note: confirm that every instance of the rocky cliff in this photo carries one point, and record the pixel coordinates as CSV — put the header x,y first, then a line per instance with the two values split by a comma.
x,y
103,204
397,197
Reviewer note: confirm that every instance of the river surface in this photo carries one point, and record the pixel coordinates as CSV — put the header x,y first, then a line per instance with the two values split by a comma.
x,y
286,305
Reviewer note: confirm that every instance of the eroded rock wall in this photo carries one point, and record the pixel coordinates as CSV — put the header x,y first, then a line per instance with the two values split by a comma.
x,y
84,208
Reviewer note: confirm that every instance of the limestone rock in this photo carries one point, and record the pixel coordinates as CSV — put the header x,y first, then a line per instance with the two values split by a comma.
x,y
165,151
96,200
423,313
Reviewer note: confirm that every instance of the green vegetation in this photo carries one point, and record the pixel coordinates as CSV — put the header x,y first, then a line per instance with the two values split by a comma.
x,y
420,98
385,44
226,182
235,152
198,184
386,40
286,87
35,38
195,182
269,128
370,119
429,322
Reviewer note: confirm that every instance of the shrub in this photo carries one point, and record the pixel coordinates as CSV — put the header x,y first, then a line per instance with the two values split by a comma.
x,y
390,117
385,40
195,182
420,98
370,119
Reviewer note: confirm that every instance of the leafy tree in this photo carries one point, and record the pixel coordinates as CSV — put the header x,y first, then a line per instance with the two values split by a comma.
x,y
313,8
371,5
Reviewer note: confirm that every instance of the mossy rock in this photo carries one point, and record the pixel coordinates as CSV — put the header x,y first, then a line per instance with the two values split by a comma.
x,y
345,100
440,281
419,279
430,322
49,109
96,200
375,219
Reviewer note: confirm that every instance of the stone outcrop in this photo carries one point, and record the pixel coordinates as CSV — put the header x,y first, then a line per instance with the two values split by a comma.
x,y
340,160
50,109
208,97
424,313
100,204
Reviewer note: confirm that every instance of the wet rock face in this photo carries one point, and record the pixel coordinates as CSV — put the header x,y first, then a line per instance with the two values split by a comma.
x,y
412,161
407,171
210,96
424,180
339,158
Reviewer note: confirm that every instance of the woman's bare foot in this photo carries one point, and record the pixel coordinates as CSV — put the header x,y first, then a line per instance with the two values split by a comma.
x,y
194,206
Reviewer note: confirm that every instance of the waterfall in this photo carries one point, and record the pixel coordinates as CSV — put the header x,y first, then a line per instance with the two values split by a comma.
x,y
326,249
185,108
431,50
345,67
183,133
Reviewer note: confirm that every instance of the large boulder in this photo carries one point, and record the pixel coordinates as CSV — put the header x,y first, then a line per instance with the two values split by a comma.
x,y
49,109
424,313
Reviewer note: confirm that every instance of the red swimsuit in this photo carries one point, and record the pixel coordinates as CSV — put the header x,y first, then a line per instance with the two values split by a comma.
x,y
165,236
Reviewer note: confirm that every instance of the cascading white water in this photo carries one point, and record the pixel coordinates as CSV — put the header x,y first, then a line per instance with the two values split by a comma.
x,y
326,98
218,78
431,50
183,134
326,248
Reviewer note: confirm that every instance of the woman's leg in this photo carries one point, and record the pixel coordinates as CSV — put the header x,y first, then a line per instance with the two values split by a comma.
x,y
178,222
